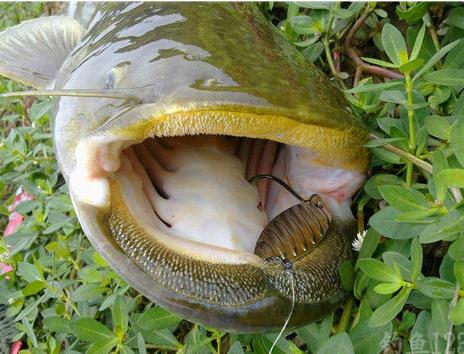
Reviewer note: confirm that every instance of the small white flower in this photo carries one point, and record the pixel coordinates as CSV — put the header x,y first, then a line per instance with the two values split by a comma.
x,y
357,243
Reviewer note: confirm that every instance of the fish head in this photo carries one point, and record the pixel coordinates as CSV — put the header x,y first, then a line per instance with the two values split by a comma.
x,y
164,111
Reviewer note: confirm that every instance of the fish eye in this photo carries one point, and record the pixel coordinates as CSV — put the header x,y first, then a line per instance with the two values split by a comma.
x,y
316,200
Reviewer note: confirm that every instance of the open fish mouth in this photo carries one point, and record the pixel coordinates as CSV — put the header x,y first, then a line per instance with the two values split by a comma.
x,y
181,211
198,189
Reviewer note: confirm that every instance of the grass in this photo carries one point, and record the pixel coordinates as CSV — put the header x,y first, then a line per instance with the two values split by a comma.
x,y
401,67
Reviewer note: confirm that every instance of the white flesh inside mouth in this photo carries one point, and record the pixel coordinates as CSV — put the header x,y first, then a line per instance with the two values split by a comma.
x,y
196,188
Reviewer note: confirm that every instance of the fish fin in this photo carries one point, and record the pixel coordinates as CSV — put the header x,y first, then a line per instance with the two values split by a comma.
x,y
33,51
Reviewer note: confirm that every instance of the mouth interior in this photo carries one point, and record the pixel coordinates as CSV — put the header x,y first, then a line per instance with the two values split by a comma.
x,y
196,188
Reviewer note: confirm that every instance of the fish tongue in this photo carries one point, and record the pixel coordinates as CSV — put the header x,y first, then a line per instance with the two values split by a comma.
x,y
209,200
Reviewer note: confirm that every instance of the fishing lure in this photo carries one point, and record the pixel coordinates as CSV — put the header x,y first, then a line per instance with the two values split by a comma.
x,y
295,231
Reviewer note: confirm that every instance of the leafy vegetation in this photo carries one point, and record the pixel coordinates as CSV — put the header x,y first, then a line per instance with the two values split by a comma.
x,y
402,69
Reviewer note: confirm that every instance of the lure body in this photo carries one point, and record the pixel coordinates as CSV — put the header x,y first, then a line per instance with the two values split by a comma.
x,y
294,232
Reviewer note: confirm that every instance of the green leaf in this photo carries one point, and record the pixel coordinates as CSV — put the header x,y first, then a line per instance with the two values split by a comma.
x,y
394,96
419,216
39,109
338,344
197,342
90,330
446,77
126,350
103,346
313,51
30,332
456,17
303,25
310,41
392,258
446,269
451,177
418,43
387,288
407,321
378,270
158,318
236,348
57,324
459,272
370,243
440,309
457,142
420,340
162,337
342,13
387,156
436,288
372,184
439,160
457,313
120,315
87,292
393,43
412,65
29,272
141,344
378,62
376,87
416,258
314,334
108,302
413,13
456,250
403,199
262,345
29,308
384,222
446,228
367,339
435,59
438,126
34,287
455,59
388,311
381,13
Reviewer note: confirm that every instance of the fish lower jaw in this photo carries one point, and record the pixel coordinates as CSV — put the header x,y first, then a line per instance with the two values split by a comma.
x,y
196,188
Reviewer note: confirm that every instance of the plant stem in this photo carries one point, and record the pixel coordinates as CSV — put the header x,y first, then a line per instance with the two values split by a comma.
x,y
328,54
346,315
218,342
409,157
353,53
412,130
433,34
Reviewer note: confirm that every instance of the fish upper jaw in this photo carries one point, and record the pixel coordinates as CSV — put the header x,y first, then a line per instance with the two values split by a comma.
x,y
95,159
